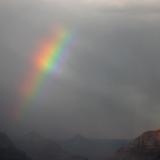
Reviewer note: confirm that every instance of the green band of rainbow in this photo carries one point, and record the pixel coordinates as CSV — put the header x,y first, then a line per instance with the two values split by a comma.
x,y
48,60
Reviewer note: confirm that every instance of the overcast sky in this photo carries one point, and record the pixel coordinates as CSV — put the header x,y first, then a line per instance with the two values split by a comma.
x,y
109,86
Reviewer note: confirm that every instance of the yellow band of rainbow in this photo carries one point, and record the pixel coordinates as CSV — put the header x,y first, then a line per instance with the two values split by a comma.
x,y
48,60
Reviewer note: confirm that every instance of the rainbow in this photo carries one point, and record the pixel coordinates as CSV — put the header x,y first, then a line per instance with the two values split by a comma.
x,y
48,60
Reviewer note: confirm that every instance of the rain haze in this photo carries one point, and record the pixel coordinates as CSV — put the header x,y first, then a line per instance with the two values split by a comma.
x,y
109,84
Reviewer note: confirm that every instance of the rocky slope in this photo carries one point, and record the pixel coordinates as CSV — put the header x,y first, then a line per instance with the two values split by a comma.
x,y
145,147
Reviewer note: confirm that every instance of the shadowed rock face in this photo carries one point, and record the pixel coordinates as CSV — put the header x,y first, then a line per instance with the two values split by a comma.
x,y
145,147
8,151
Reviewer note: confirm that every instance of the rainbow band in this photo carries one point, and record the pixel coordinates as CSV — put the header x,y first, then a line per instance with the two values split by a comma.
x,y
48,60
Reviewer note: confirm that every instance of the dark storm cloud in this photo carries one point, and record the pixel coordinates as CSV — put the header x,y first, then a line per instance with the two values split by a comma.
x,y
110,84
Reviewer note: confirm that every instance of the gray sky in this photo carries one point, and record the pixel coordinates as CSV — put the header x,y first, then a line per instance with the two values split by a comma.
x,y
109,86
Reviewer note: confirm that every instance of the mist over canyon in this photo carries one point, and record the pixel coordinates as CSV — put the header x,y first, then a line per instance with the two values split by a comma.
x,y
79,79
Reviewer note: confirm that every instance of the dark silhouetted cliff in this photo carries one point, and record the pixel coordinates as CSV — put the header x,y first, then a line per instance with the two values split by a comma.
x,y
8,151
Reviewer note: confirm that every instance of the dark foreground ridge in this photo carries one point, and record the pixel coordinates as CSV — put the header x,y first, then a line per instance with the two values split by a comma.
x,y
144,147
8,151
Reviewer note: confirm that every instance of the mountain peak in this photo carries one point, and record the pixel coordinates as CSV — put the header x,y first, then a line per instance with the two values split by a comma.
x,y
42,148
